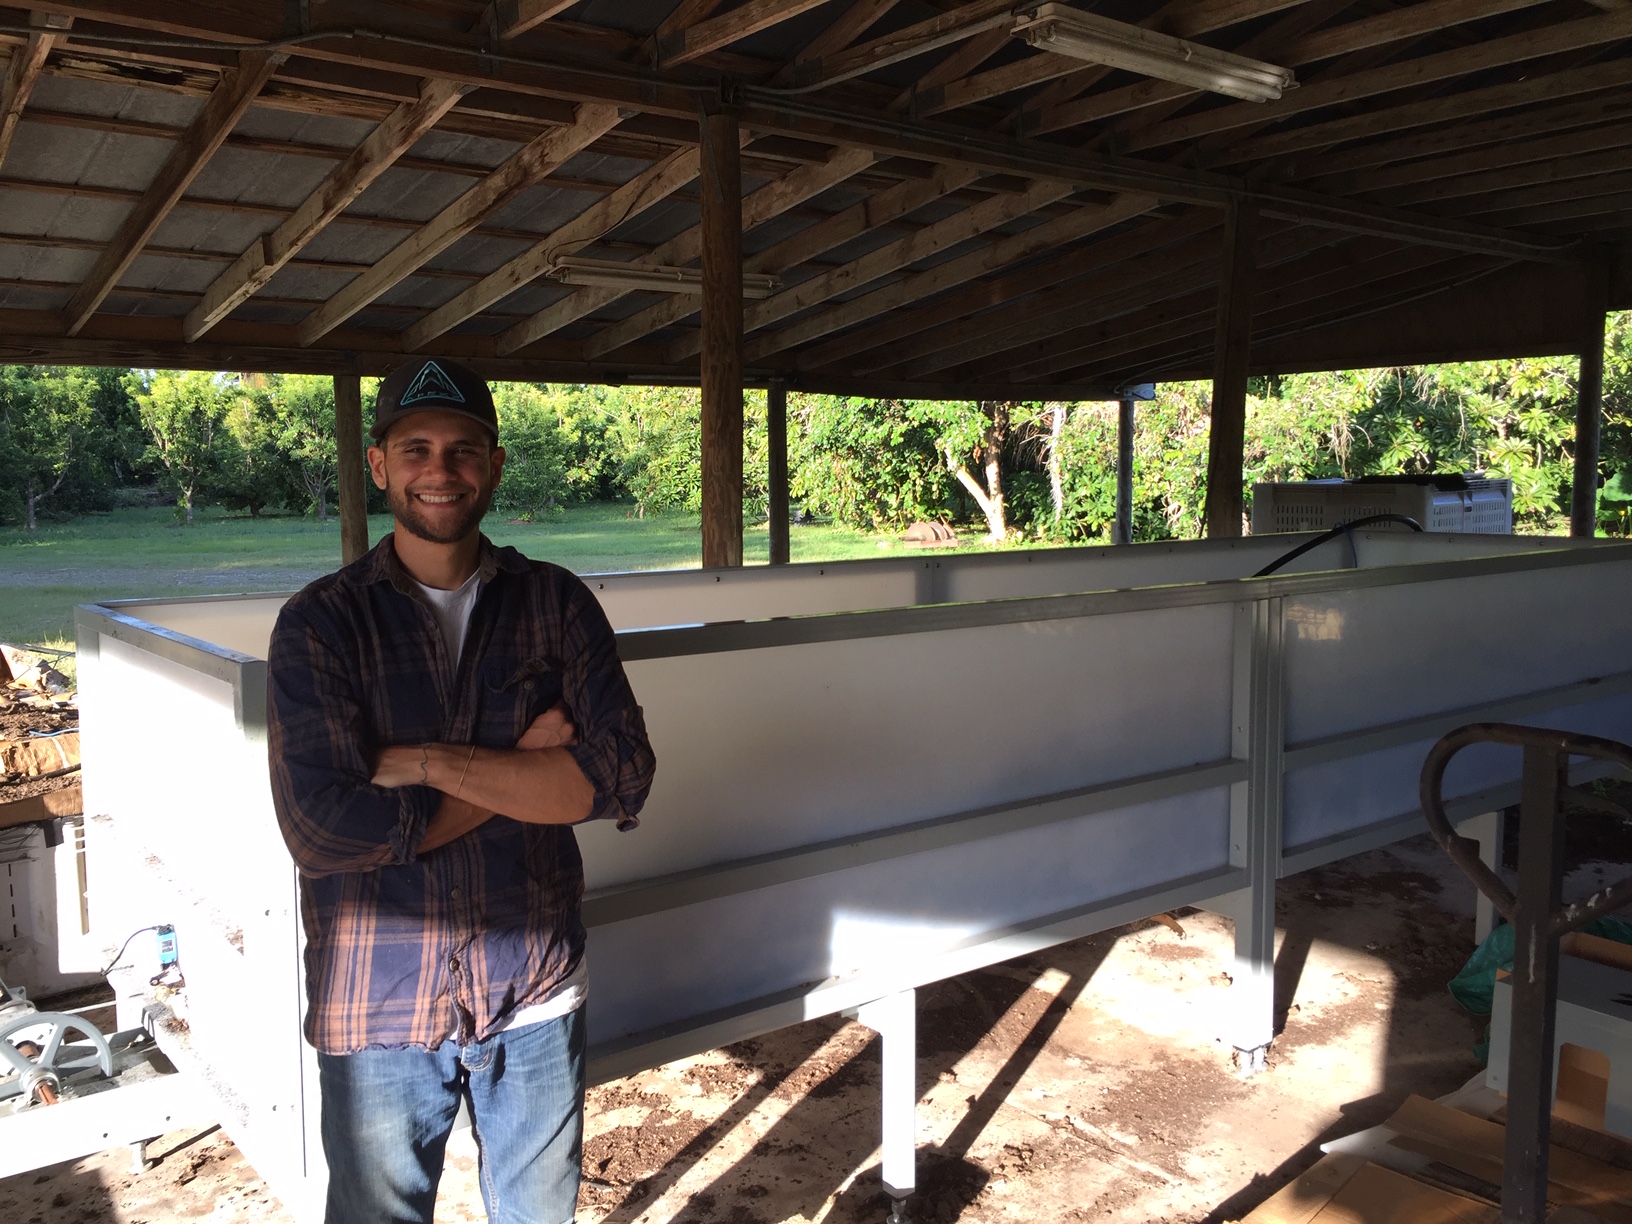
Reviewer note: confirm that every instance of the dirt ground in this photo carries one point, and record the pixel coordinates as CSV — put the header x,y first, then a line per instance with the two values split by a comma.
x,y
1088,1083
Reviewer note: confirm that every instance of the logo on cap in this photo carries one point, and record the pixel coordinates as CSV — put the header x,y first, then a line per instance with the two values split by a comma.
x,y
430,383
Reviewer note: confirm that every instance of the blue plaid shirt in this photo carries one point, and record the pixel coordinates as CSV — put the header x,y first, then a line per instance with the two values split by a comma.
x,y
404,948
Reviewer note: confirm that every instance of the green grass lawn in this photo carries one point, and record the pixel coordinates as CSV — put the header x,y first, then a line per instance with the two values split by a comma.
x,y
135,553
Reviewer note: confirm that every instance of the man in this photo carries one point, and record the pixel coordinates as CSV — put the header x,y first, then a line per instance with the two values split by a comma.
x,y
441,713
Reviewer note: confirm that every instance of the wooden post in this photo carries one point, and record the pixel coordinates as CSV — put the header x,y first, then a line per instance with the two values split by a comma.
x,y
720,185
776,422
1227,437
1589,407
349,465
1124,470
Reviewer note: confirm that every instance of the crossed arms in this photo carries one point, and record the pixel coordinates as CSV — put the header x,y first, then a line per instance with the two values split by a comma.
x,y
536,782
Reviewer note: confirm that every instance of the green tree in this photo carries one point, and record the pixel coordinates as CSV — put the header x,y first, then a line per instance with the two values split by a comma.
x,y
45,432
536,451
257,473
303,408
185,413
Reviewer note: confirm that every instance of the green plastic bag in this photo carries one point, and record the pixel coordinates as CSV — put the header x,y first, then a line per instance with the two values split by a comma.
x,y
1475,985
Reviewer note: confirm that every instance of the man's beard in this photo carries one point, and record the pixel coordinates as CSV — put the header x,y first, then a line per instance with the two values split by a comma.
x,y
406,511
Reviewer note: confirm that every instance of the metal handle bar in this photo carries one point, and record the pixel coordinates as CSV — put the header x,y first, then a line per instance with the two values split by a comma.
x,y
1464,851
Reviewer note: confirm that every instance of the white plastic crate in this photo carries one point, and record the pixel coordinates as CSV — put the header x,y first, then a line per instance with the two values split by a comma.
x,y
1481,504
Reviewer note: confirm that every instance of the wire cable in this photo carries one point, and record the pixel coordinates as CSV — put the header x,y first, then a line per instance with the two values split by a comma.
x,y
1344,529
125,945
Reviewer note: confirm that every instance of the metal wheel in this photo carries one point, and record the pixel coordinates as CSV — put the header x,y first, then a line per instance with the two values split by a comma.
x,y
37,1058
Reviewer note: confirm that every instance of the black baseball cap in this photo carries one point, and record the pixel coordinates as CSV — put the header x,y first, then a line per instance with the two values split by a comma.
x,y
433,383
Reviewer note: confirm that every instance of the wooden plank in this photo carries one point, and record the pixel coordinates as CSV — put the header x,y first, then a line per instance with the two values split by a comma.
x,y
69,801
1376,1194
1052,233
349,467
688,44
23,70
348,180
1427,69
1607,169
1478,1144
524,168
855,21
193,151
650,187
721,424
769,201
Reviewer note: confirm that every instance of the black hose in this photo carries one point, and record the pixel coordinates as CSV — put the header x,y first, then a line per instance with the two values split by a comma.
x,y
1332,534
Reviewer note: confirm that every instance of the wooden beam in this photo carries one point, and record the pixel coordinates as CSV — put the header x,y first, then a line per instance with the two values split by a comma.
x,y
884,336
855,21
891,204
1425,69
516,17
650,187
974,52
1490,158
1227,432
959,227
919,39
350,466
750,18
769,201
462,57
524,168
348,180
193,151
1047,236
1343,39
1562,167
1334,273
1589,408
24,69
721,180
1469,104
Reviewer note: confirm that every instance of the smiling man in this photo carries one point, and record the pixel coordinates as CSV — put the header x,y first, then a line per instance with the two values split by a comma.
x,y
441,713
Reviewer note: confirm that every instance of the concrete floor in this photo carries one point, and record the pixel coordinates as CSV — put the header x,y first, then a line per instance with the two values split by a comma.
x,y
1087,1083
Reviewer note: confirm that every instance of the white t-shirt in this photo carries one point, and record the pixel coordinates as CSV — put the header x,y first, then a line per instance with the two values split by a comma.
x,y
452,611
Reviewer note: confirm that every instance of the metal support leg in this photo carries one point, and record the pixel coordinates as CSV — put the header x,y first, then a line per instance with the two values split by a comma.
x,y
1487,831
895,1019
138,1157
1252,988
1258,736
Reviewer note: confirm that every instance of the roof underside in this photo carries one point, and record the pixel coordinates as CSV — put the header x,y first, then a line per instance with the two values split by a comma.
x,y
330,185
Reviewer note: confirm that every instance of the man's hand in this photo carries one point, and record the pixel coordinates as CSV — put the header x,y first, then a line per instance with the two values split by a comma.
x,y
404,765
551,729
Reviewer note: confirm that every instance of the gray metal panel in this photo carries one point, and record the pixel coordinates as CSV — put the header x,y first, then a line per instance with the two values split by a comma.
x,y
254,176
540,209
83,97
417,195
269,123
211,229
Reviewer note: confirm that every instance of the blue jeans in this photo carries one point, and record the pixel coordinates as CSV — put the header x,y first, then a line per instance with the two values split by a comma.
x,y
387,1115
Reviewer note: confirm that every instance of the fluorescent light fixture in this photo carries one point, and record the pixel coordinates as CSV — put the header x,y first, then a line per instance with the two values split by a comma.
x,y
657,278
1099,40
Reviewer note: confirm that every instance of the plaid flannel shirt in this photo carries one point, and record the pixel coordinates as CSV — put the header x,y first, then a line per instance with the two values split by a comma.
x,y
404,948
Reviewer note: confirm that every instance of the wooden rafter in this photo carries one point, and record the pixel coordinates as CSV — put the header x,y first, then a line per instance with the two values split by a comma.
x,y
523,168
1473,103
1351,36
257,265
24,69
1049,235
875,346
771,200
220,112
696,41
886,207
918,39
633,198
1439,66
516,17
